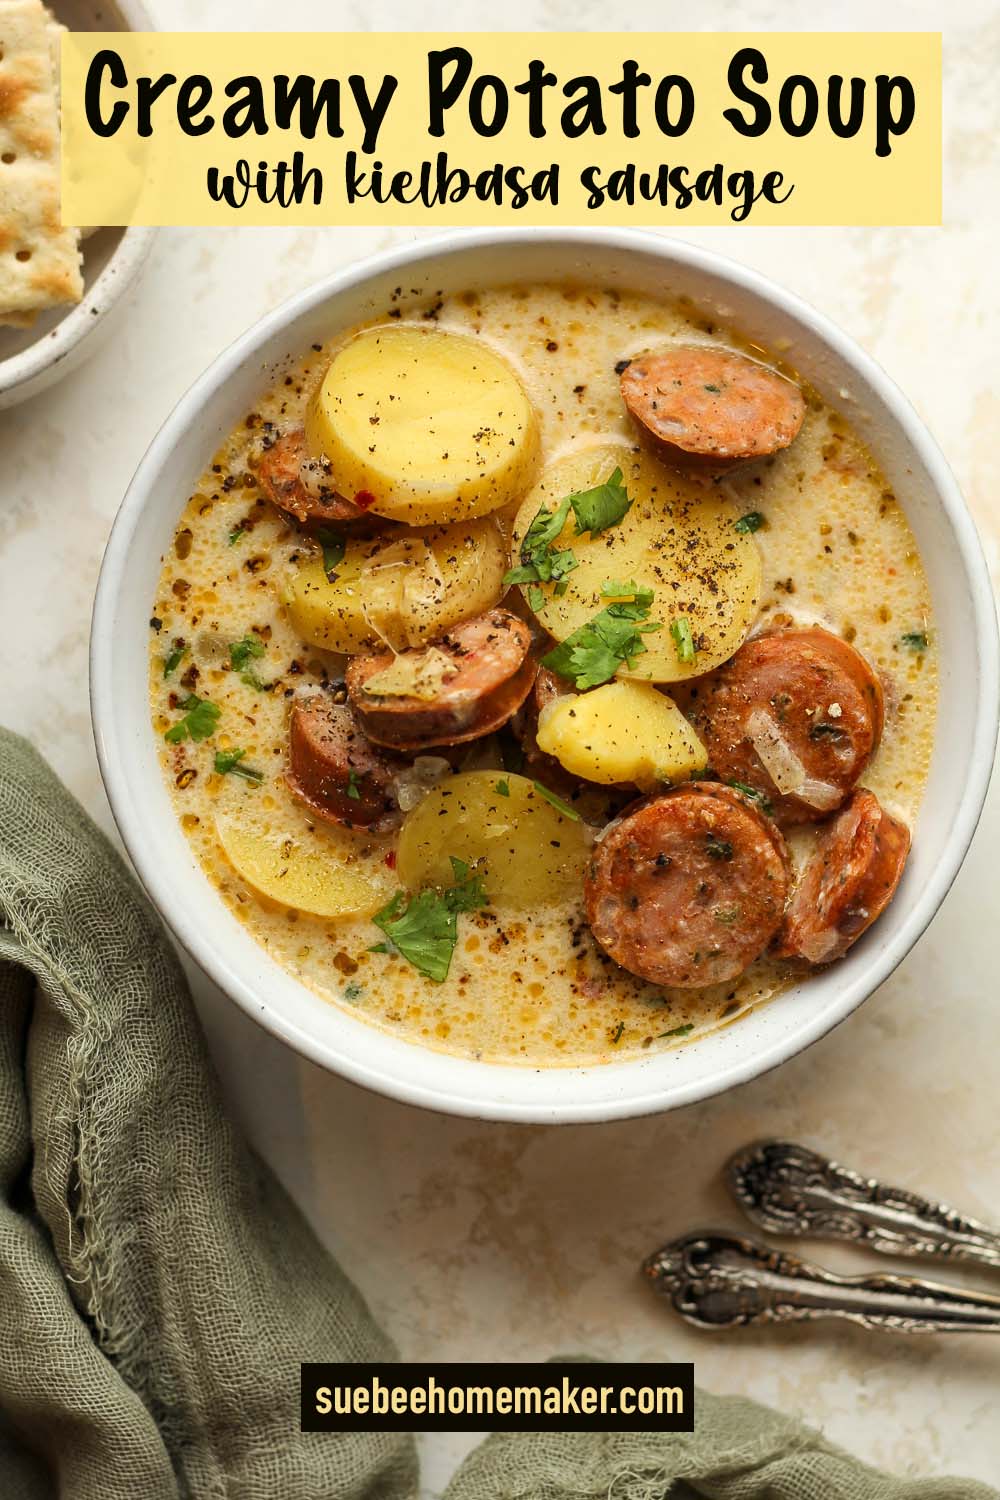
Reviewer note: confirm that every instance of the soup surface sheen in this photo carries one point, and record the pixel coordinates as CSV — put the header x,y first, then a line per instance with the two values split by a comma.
x,y
523,987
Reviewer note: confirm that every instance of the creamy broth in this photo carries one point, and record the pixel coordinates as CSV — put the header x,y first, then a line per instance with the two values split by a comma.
x,y
525,988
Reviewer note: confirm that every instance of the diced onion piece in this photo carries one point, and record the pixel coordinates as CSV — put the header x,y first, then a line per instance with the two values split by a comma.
x,y
412,785
784,767
418,674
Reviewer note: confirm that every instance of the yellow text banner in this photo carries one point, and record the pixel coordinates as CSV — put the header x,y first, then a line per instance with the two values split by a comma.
x,y
541,128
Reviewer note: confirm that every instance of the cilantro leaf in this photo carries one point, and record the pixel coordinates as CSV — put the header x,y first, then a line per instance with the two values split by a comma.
x,y
603,506
593,654
914,640
615,588
198,723
502,788
173,661
536,599
227,762
751,522
594,510
680,632
424,927
238,533
540,562
678,1031
241,652
353,789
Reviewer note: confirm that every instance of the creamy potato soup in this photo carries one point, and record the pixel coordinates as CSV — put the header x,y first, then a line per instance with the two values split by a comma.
x,y
544,675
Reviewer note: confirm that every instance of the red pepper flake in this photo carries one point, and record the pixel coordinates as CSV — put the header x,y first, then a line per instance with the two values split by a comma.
x,y
364,499
390,859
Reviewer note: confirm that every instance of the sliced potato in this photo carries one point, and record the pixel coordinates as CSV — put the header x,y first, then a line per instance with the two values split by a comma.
x,y
405,589
678,539
534,855
433,426
328,871
623,731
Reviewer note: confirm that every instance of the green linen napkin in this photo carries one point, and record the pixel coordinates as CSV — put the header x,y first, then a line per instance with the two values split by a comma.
x,y
158,1289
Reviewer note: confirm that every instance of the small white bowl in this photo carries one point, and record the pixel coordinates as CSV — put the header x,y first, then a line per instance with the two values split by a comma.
x,y
34,358
965,633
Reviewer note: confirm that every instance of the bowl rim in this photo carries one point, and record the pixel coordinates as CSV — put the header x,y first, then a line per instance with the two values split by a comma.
x,y
114,754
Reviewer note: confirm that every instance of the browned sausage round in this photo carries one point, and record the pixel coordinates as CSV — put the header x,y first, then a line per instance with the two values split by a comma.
x,y
848,882
710,406
687,889
334,770
479,674
298,484
795,715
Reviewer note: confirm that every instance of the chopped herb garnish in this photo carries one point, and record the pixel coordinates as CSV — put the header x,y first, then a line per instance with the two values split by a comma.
x,y
540,561
334,548
198,723
603,506
173,661
424,927
557,802
718,848
593,654
752,521
353,790
616,1035
680,634
502,788
240,652
536,599
914,640
715,389
353,990
227,762
765,803
238,533
677,1031
616,588
593,510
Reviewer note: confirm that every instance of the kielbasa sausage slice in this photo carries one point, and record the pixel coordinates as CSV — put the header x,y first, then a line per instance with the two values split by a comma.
x,y
299,485
710,406
795,715
334,770
687,889
848,882
462,687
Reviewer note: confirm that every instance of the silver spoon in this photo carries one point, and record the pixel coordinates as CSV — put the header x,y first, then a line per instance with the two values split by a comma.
x,y
717,1280
788,1189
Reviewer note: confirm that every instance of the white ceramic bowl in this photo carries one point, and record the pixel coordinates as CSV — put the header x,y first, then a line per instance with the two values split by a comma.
x,y
965,635
31,359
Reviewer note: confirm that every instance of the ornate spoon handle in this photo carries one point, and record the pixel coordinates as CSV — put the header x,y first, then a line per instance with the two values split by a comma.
x,y
788,1189
717,1280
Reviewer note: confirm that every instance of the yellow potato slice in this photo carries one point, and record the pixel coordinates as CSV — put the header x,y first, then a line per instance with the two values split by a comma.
x,y
330,872
534,855
405,589
434,425
623,731
678,539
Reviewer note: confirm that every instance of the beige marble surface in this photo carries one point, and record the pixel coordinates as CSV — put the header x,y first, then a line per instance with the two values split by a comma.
x,y
476,1241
